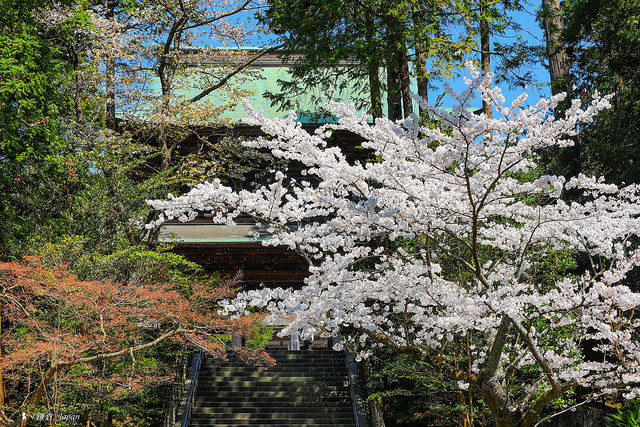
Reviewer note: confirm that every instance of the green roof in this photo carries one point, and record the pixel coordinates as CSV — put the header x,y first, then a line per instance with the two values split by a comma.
x,y
261,78
199,233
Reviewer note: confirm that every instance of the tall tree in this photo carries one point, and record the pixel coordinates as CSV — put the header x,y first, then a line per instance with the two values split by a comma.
x,y
485,48
35,103
170,58
367,35
602,40
452,196
31,77
494,18
553,24
58,322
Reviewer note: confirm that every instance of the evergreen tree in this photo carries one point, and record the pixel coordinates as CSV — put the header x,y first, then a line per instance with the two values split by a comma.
x,y
373,41
603,43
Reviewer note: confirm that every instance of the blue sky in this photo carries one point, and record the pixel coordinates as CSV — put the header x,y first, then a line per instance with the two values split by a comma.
x,y
533,35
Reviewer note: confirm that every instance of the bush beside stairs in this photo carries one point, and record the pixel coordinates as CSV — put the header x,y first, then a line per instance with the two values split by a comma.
x,y
304,388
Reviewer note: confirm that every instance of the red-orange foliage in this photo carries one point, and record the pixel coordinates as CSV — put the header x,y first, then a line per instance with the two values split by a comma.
x,y
52,320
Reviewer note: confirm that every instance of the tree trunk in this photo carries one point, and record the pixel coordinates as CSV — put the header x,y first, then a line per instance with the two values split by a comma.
x,y
490,383
405,79
399,51
4,420
374,88
34,399
373,68
419,22
110,72
394,102
110,107
393,95
558,60
485,51
423,80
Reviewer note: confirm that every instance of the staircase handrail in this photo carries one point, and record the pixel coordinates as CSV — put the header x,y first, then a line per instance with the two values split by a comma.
x,y
194,374
359,412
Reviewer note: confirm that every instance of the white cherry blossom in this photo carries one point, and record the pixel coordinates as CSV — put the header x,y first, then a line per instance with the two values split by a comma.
x,y
433,200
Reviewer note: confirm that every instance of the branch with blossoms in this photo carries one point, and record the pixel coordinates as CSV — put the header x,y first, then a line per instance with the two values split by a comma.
x,y
467,226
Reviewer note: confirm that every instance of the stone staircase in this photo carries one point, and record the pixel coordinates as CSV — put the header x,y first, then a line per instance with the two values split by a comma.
x,y
304,388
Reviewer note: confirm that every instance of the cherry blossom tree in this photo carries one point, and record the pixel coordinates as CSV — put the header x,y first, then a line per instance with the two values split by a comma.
x,y
379,234
165,61
160,61
168,68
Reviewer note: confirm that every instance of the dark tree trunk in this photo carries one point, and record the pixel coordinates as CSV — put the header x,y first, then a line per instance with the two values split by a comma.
x,y
110,72
393,94
423,80
394,102
405,80
398,48
374,87
485,51
556,52
373,67
419,22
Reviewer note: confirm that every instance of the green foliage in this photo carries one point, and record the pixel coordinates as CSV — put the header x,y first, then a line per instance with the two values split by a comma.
x,y
413,393
343,42
31,73
75,193
103,394
124,264
603,40
228,160
259,337
627,416
128,391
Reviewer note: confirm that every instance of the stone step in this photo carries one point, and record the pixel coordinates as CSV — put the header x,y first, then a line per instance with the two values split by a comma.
x,y
272,375
268,393
294,384
276,411
281,408
292,355
282,367
277,368
262,401
240,423
304,388
299,353
294,419
287,364
309,391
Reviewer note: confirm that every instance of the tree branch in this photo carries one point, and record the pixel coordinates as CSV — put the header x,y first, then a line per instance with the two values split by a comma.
x,y
219,17
535,352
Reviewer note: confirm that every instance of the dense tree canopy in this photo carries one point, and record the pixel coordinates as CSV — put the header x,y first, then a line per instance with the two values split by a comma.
x,y
373,41
58,322
69,174
603,41
467,194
